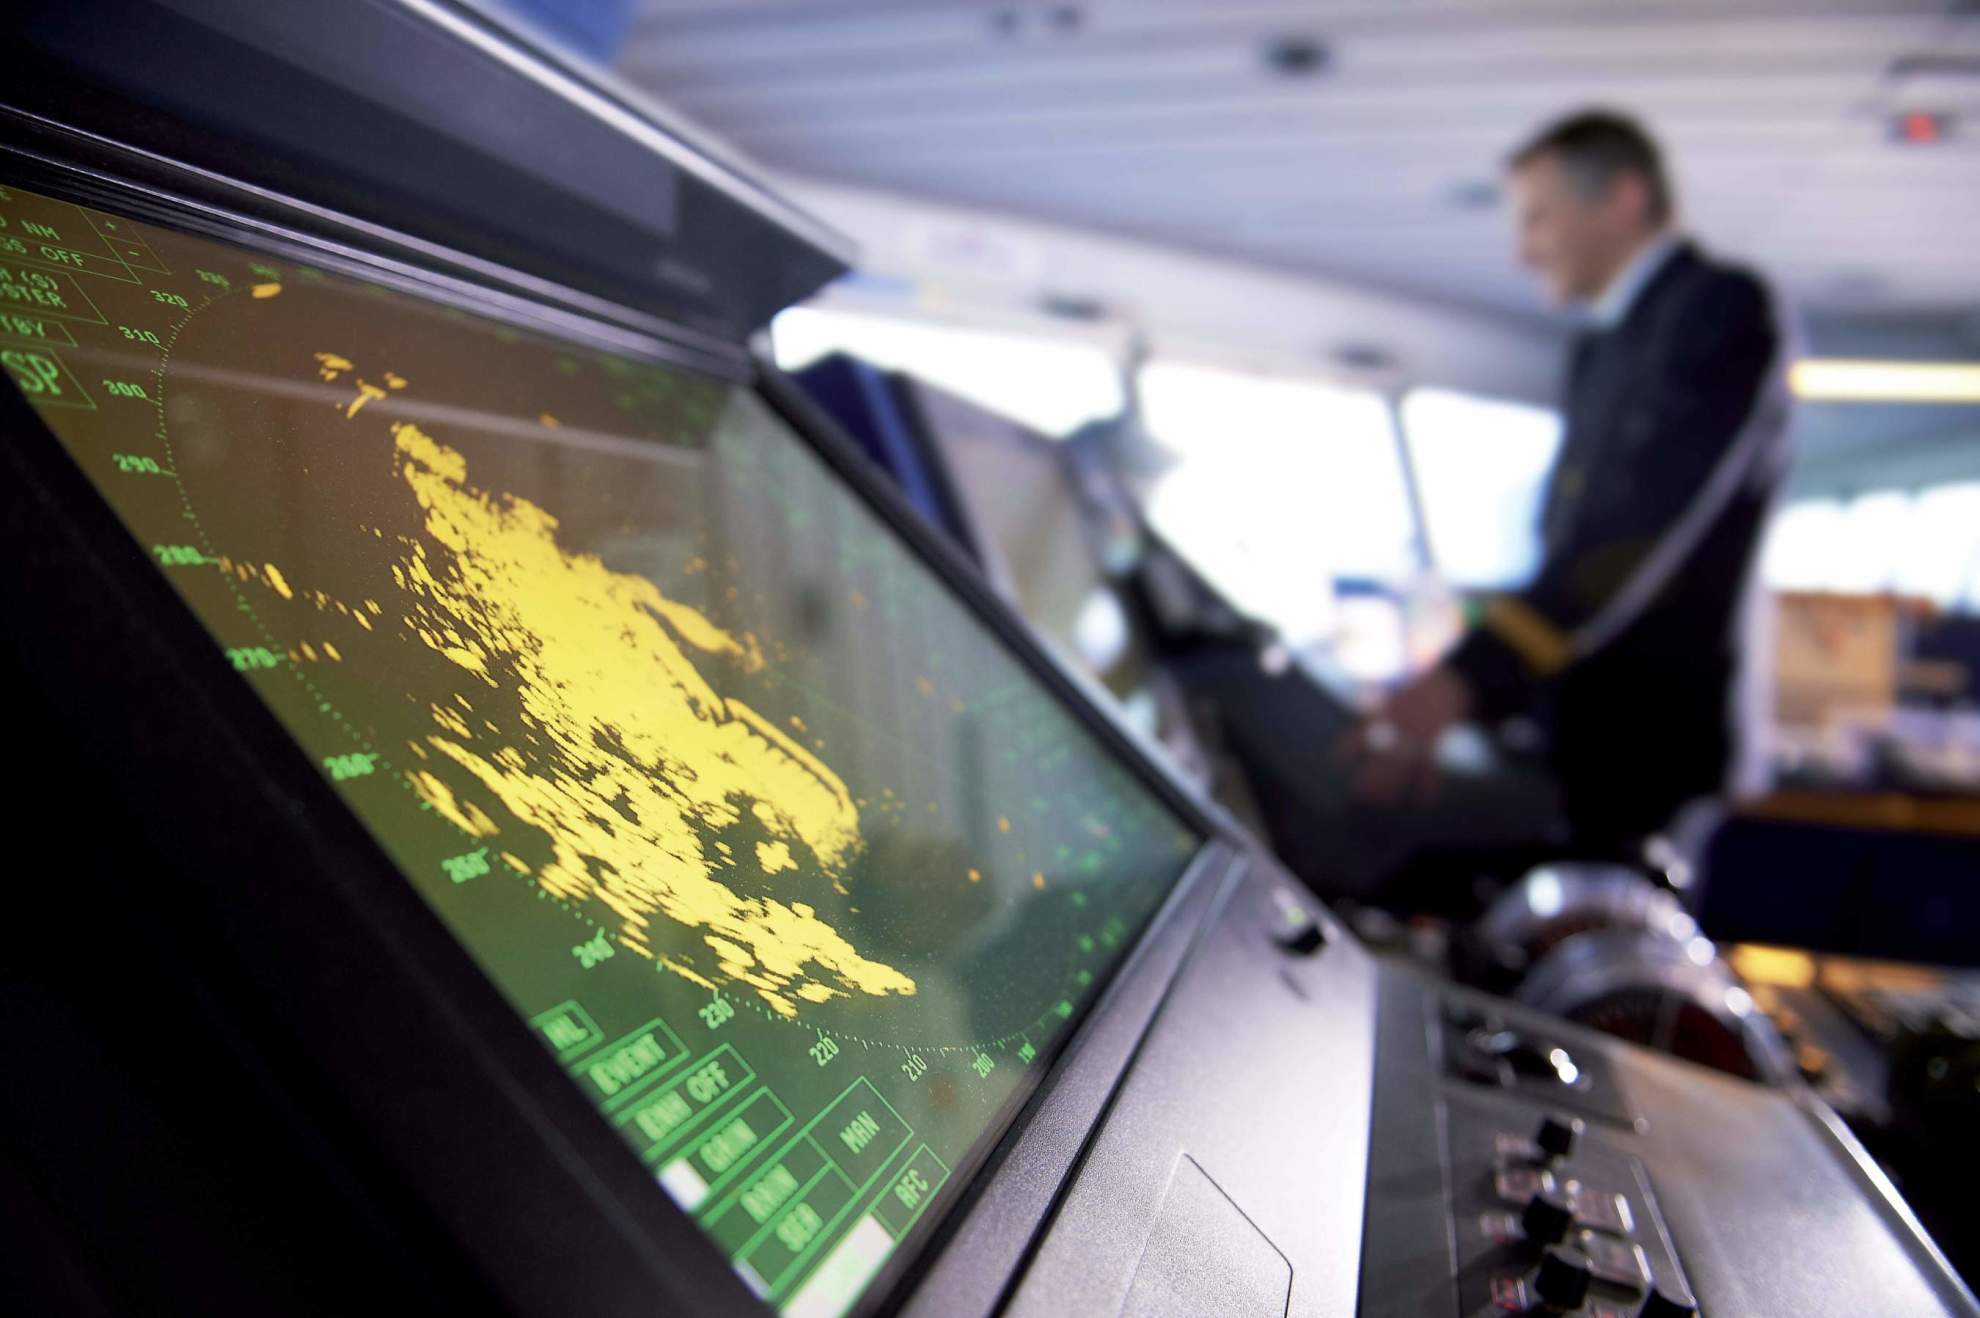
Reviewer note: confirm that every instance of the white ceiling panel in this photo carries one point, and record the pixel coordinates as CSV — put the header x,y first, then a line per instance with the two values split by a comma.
x,y
1171,120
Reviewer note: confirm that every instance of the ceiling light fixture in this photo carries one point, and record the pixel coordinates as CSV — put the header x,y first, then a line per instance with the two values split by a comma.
x,y
1843,380
1293,55
1475,194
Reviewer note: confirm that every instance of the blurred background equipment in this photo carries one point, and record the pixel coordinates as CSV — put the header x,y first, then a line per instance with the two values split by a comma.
x,y
1053,162
1895,1048
1343,450
1092,177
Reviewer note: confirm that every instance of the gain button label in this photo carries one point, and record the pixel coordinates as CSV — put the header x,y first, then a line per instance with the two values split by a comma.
x,y
663,1115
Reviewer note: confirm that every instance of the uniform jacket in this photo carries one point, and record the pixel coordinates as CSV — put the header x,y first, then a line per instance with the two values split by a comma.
x,y
1625,642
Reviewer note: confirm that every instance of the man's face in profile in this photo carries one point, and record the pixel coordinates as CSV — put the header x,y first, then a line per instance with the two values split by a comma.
x,y
1569,240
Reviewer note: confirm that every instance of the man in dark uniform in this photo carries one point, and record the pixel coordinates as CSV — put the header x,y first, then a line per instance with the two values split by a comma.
x,y
1624,647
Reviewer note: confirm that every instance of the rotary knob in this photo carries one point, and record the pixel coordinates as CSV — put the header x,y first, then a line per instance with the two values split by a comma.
x,y
1561,1280
1546,1217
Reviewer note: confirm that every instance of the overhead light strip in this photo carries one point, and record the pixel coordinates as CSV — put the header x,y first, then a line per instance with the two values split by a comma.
x,y
1843,380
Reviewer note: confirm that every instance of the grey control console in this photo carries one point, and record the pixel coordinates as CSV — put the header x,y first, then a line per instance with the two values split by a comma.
x,y
1480,1044
1560,1218
1520,1165
1309,1131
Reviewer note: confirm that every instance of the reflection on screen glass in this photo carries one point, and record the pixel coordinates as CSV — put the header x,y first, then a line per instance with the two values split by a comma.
x,y
792,866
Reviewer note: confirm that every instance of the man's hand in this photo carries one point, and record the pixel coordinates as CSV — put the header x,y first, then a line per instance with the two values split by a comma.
x,y
1394,748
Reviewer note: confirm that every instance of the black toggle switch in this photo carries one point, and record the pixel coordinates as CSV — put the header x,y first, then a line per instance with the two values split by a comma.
x,y
1296,930
1546,1217
1302,939
1662,1303
1529,1054
1561,1280
1556,1136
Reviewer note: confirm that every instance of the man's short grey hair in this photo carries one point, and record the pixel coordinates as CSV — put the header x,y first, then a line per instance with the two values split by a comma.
x,y
1597,147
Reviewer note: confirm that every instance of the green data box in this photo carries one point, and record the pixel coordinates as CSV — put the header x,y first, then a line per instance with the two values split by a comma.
x,y
622,1068
568,1028
766,1193
861,1132
798,1232
908,1193
45,378
721,1155
660,1118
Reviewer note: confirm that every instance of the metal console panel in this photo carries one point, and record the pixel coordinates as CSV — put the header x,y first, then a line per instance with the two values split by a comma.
x,y
1754,1199
1233,1159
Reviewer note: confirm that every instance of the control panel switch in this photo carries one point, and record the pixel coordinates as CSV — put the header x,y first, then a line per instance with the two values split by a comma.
x,y
1296,930
1546,1217
1515,1185
1556,1136
1618,1262
1561,1281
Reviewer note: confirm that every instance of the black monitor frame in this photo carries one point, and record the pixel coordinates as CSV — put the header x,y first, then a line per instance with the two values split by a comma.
x,y
527,1183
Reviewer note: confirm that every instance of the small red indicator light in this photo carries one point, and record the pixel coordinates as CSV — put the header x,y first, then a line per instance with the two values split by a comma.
x,y
1921,128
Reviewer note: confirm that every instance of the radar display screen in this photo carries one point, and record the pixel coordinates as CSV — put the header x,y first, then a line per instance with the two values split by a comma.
x,y
795,869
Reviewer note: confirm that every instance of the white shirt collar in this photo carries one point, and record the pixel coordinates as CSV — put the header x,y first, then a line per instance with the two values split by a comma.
x,y
1608,308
